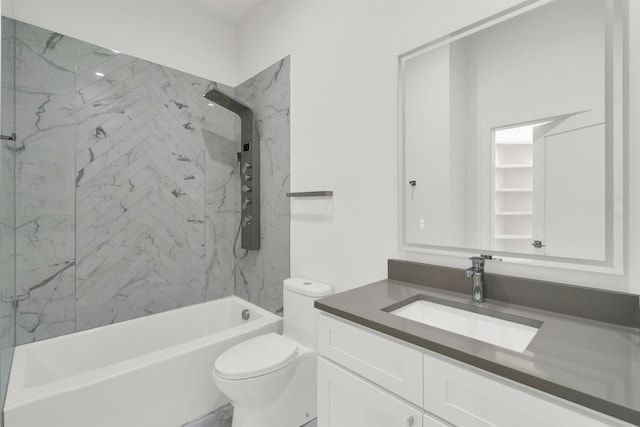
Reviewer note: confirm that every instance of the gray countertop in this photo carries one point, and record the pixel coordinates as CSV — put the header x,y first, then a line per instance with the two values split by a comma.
x,y
591,363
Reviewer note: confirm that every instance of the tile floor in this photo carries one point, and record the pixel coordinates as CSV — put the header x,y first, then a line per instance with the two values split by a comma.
x,y
223,416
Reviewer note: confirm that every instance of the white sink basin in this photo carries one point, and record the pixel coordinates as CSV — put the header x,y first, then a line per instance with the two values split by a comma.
x,y
514,335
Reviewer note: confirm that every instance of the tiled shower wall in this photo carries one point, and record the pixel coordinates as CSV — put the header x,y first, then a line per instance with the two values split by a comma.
x,y
126,197
7,211
259,275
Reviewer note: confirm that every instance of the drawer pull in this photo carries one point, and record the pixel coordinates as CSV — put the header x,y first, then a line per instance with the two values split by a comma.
x,y
410,421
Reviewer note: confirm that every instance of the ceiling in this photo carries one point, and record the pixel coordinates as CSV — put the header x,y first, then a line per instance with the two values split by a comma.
x,y
231,11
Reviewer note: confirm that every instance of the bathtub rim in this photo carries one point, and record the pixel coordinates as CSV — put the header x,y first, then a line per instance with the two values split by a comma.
x,y
19,395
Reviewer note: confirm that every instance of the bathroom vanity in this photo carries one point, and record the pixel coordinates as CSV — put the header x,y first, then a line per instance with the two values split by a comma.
x,y
378,368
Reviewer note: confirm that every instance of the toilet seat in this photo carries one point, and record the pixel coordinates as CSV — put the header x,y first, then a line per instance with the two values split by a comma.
x,y
255,357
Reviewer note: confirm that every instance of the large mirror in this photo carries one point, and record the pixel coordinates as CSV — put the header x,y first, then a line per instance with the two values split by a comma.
x,y
511,136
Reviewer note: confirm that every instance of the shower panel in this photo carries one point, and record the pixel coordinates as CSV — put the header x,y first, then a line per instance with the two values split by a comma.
x,y
249,168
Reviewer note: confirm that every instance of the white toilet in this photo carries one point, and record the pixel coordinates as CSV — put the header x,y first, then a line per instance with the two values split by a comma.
x,y
271,379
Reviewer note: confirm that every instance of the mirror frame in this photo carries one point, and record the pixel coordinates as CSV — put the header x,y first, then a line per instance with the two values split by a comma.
x,y
616,144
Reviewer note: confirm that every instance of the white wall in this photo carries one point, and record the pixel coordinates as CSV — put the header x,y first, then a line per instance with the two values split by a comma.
x,y
631,281
166,32
343,129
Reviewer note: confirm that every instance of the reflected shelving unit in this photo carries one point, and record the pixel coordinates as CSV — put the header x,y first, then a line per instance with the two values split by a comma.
x,y
513,191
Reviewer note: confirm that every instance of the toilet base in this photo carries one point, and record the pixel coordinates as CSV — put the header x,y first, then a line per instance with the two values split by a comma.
x,y
293,407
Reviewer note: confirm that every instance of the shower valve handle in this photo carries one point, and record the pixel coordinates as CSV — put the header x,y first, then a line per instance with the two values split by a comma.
x,y
246,189
246,166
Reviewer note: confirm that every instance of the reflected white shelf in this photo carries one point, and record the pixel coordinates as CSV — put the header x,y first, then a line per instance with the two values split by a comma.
x,y
514,190
514,237
515,166
514,142
514,213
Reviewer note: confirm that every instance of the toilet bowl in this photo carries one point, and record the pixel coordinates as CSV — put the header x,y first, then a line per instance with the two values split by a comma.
x,y
271,379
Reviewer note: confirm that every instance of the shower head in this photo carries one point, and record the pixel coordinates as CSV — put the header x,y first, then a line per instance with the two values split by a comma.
x,y
223,100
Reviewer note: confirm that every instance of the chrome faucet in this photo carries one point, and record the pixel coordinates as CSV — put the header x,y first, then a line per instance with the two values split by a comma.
x,y
476,272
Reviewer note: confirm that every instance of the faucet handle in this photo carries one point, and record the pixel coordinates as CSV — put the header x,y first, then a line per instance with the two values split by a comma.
x,y
477,261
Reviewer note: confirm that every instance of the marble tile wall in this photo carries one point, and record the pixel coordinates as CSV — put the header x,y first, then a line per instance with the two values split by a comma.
x,y
7,206
7,241
45,198
221,135
260,274
140,196
127,182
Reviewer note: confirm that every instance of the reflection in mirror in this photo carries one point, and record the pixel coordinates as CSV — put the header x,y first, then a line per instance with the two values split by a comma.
x,y
511,135
530,217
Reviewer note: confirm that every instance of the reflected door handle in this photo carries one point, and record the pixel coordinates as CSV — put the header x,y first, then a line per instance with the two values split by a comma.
x,y
412,183
537,244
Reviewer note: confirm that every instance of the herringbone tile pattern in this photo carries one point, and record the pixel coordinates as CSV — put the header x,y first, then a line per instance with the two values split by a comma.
x,y
140,174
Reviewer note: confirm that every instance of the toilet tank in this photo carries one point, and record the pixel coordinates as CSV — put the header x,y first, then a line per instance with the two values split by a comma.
x,y
300,317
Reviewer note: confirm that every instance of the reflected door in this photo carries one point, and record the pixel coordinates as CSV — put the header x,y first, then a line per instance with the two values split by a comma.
x,y
569,188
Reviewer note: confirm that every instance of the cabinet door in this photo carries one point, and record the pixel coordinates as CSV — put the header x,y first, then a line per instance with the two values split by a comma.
x,y
466,396
383,360
346,400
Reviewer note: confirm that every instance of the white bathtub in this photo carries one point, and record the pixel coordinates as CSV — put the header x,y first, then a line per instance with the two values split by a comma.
x,y
154,371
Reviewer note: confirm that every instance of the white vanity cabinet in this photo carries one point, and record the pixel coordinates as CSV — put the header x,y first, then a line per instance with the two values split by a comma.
x,y
369,379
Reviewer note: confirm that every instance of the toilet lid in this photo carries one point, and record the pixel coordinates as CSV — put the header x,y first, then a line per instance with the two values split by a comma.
x,y
256,356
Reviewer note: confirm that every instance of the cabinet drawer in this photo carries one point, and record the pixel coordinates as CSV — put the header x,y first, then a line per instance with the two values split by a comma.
x,y
465,396
346,400
385,361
